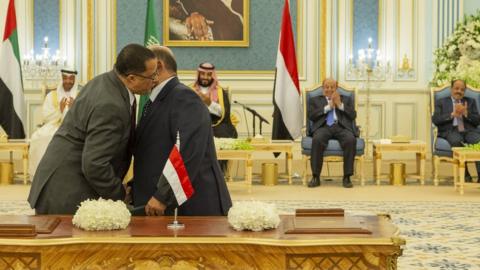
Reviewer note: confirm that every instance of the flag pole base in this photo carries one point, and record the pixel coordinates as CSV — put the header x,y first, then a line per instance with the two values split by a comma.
x,y
175,225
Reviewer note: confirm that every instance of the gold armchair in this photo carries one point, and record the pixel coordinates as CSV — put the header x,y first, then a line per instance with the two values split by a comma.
x,y
441,149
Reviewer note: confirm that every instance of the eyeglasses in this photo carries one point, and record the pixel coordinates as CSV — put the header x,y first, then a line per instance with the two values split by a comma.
x,y
151,77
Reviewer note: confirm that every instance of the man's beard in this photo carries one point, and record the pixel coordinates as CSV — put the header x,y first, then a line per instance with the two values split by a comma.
x,y
205,83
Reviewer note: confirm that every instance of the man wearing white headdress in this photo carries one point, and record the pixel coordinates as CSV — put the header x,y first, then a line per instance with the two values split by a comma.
x,y
55,107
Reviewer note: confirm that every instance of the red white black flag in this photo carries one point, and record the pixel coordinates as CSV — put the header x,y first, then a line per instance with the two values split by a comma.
x,y
287,98
177,175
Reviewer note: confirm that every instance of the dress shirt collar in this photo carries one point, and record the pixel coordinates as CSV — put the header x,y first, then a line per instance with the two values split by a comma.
x,y
131,96
158,89
455,101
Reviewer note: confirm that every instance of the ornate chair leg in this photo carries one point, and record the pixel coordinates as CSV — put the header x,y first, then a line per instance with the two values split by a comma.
x,y
362,175
305,169
436,162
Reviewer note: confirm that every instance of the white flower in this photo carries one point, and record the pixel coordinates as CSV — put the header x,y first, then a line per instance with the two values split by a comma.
x,y
471,26
459,55
101,214
253,215
232,144
451,50
442,67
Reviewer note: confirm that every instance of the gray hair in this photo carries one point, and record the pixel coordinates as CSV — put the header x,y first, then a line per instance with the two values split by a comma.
x,y
165,55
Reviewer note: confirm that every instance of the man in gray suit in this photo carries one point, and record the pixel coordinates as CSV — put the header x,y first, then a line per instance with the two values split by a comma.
x,y
91,151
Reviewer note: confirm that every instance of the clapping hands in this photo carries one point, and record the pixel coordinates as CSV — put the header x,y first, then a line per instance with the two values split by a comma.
x,y
66,102
460,109
335,101
205,97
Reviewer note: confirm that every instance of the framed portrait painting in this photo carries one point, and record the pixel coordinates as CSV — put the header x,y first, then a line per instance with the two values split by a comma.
x,y
200,23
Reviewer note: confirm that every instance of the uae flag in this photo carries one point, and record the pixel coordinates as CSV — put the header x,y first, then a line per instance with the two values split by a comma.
x,y
151,37
11,88
288,110
177,176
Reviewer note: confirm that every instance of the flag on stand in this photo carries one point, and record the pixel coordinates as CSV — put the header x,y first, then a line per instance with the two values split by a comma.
x,y
177,175
151,37
12,101
287,99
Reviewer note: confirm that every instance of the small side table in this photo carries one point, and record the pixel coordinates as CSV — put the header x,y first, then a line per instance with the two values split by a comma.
x,y
245,155
278,147
17,145
461,156
417,147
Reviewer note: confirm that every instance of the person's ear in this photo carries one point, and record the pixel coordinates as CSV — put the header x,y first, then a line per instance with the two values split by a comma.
x,y
130,77
160,66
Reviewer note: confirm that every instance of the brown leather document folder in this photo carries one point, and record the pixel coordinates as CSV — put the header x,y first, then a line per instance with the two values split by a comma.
x,y
27,226
325,221
332,212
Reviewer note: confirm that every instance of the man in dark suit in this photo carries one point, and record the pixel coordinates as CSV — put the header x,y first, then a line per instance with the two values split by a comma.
x,y
91,151
174,109
457,118
333,116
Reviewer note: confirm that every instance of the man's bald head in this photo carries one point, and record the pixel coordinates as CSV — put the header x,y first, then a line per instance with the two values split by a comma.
x,y
329,80
166,56
329,86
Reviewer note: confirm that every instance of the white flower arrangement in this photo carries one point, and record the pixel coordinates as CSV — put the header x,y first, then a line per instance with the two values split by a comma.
x,y
254,216
232,144
101,214
459,57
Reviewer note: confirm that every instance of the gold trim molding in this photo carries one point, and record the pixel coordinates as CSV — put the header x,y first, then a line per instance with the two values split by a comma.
x,y
90,41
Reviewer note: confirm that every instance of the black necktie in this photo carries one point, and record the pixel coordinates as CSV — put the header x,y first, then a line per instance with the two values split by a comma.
x,y
146,108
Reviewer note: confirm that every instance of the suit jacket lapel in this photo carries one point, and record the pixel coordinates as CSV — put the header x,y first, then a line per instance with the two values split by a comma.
x,y
449,105
167,89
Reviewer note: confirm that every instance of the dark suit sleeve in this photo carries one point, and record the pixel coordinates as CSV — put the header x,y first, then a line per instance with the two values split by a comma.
x,y
440,116
316,108
348,108
473,117
104,134
192,120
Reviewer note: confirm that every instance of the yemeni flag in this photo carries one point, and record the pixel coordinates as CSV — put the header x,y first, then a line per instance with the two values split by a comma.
x,y
177,176
151,37
11,88
287,99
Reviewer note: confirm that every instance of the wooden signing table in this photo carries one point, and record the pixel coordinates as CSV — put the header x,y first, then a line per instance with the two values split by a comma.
x,y
21,146
417,147
204,243
461,156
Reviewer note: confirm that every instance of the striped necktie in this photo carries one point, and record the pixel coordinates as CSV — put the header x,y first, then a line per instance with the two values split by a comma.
x,y
146,108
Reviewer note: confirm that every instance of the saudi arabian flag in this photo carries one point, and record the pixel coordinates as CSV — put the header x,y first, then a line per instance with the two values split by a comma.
x,y
11,88
151,37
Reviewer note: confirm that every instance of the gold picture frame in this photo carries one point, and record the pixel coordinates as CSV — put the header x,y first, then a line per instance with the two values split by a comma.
x,y
193,23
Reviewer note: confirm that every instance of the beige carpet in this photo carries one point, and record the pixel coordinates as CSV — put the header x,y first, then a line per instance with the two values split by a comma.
x,y
328,191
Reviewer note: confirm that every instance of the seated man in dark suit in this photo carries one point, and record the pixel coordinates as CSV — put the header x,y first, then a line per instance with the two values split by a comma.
x,y
332,115
457,118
